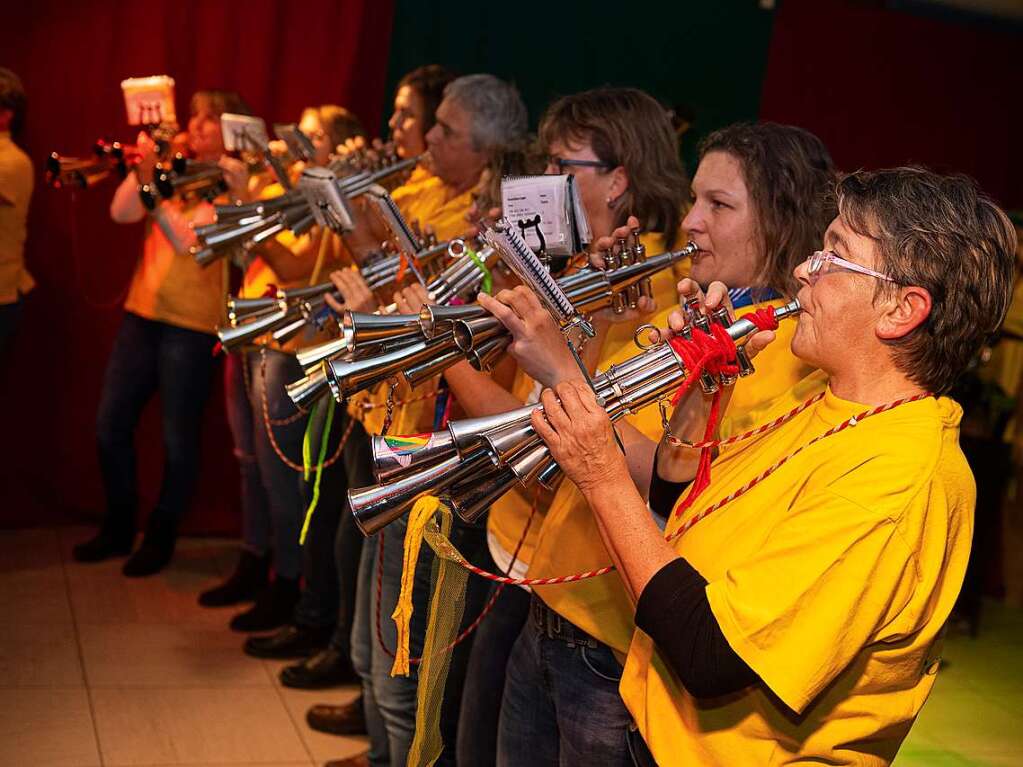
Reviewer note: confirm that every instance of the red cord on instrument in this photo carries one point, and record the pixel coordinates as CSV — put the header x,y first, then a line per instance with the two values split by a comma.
x,y
714,353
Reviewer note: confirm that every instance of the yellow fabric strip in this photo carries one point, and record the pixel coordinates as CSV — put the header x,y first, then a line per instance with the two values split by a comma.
x,y
422,512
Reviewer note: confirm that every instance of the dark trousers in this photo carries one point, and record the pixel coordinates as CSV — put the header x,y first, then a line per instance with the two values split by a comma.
x,y
330,557
10,314
484,681
150,357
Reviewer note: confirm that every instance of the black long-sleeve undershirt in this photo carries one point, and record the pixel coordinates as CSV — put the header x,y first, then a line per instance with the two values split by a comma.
x,y
674,612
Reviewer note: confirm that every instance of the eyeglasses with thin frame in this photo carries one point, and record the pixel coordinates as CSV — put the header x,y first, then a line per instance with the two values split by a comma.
x,y
823,261
561,163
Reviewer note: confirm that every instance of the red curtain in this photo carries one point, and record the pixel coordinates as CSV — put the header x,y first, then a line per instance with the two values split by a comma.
x,y
886,88
281,56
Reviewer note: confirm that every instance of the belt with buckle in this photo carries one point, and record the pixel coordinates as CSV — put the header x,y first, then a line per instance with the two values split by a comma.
x,y
553,626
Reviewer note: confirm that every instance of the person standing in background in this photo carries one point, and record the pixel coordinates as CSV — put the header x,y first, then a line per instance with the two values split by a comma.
x,y
16,181
165,344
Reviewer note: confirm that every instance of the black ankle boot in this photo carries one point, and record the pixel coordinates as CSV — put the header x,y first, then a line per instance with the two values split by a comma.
x,y
274,607
150,558
104,545
245,583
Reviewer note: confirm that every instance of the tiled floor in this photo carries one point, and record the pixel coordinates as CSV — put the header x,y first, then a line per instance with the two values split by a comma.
x,y
97,669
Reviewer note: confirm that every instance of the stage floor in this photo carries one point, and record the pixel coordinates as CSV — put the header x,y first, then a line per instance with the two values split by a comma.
x,y
97,669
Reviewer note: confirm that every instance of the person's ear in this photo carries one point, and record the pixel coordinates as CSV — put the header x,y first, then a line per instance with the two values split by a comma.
x,y
904,312
619,184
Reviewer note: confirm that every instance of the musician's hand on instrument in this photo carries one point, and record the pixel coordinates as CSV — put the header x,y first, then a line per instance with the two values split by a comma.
x,y
537,343
579,435
236,176
356,295
606,243
411,299
148,156
715,297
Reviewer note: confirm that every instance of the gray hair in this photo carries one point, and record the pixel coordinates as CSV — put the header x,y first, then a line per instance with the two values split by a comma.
x,y
498,115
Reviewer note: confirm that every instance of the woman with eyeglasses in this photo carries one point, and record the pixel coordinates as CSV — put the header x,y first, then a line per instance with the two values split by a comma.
x,y
792,610
619,146
759,205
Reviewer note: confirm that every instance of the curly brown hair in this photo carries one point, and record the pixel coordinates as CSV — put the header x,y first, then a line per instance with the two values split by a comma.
x,y
943,234
629,128
790,177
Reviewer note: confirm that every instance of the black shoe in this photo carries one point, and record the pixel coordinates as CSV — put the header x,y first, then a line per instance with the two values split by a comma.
x,y
289,641
103,545
273,608
247,580
347,719
150,558
327,668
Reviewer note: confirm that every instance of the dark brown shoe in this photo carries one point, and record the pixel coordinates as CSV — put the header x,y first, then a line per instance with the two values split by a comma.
x,y
347,719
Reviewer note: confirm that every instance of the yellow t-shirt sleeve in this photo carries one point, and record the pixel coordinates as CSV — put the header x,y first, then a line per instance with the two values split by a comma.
x,y
827,579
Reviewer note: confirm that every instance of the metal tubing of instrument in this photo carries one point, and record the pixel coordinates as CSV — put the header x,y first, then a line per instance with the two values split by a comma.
x,y
469,500
375,507
236,320
466,432
424,371
231,338
349,377
489,352
435,320
391,460
469,333
305,391
313,356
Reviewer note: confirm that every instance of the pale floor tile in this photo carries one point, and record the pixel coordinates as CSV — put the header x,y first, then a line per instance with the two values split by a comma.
x,y
160,655
39,655
323,746
28,550
35,596
194,726
48,727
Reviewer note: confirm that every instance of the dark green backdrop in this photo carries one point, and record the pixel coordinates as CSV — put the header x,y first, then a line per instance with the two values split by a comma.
x,y
711,55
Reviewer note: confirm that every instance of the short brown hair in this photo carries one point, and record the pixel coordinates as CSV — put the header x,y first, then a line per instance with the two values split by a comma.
x,y
220,101
790,177
12,97
429,82
627,127
337,122
943,234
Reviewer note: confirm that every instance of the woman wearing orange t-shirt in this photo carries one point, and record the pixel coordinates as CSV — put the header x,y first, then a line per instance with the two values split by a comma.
x,y
165,344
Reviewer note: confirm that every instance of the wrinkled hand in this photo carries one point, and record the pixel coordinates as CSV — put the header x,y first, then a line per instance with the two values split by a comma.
x,y
579,435
538,345
355,293
645,306
236,176
411,299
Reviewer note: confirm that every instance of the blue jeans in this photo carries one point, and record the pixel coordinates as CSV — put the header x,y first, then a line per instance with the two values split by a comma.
x,y
150,357
561,704
390,702
484,681
272,504
255,504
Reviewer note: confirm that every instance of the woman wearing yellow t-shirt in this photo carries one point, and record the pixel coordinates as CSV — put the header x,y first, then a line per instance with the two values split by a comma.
x,y
619,146
273,500
759,200
165,344
800,621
